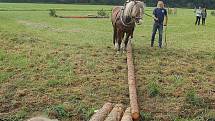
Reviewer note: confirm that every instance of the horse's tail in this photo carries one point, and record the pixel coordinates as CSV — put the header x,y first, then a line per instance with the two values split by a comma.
x,y
114,16
114,34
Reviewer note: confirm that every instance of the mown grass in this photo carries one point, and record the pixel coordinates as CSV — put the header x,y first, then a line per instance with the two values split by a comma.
x,y
67,68
45,7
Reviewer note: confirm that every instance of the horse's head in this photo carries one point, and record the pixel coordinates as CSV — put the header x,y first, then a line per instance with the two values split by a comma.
x,y
135,10
138,11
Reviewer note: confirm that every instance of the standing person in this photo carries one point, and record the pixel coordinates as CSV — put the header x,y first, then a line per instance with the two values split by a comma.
x,y
195,8
198,15
160,17
204,15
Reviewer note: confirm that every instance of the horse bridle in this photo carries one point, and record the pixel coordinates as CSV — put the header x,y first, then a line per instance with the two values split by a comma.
x,y
132,18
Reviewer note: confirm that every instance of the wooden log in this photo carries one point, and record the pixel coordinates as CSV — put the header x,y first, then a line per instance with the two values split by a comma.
x,y
41,119
135,113
82,17
101,114
127,115
116,113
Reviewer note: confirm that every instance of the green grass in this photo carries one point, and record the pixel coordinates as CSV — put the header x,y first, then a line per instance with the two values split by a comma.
x,y
153,89
69,66
45,7
192,98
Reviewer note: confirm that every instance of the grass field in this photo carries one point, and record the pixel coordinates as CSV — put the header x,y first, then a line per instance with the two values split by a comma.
x,y
67,68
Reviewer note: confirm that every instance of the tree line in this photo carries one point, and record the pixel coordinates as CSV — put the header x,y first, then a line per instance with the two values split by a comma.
x,y
171,3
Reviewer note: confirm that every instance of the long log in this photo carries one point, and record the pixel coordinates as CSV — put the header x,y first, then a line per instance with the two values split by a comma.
x,y
116,113
135,113
83,17
41,119
127,115
101,114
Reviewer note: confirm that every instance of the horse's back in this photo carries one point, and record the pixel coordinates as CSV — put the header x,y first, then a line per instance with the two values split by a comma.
x,y
115,13
115,8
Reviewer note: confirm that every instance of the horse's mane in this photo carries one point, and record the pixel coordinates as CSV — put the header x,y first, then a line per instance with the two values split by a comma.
x,y
129,6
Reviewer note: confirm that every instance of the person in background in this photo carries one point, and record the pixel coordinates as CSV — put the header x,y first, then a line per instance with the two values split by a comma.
x,y
198,15
160,20
204,15
195,9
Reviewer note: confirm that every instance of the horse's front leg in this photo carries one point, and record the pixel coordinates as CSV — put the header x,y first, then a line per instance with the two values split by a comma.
x,y
126,40
132,33
123,40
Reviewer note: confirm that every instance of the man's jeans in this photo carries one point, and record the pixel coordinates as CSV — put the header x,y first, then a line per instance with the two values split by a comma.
x,y
159,27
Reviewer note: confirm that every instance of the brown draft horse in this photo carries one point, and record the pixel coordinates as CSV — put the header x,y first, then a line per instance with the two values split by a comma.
x,y
123,21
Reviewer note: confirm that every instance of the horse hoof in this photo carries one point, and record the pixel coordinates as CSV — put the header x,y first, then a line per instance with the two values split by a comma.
x,y
118,52
116,46
123,48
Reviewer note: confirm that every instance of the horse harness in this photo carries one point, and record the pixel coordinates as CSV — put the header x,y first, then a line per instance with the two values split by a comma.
x,y
121,17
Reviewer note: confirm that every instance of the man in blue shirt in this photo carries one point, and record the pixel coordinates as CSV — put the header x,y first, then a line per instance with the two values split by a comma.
x,y
160,20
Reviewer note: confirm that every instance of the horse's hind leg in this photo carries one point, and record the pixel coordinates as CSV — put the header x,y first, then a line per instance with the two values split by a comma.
x,y
119,39
114,35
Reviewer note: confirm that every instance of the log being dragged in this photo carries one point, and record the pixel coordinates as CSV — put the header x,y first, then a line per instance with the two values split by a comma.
x,y
135,113
116,113
127,115
41,119
101,114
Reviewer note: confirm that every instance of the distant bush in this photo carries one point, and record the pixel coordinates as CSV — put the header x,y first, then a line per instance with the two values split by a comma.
x,y
213,13
102,13
53,13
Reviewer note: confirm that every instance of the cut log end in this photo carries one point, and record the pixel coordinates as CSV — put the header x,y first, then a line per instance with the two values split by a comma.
x,y
127,115
135,116
116,113
101,114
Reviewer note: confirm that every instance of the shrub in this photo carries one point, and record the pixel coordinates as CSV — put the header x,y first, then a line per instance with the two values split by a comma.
x,y
103,13
53,13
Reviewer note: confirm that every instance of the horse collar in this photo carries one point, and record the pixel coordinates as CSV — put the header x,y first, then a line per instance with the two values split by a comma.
x,y
121,19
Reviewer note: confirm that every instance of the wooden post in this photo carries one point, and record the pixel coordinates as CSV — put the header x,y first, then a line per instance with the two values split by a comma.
x,y
116,113
127,115
135,113
101,114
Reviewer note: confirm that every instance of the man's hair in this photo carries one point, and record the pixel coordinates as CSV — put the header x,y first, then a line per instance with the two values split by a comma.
x,y
160,2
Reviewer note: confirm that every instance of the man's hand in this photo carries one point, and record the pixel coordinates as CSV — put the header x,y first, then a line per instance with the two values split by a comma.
x,y
156,18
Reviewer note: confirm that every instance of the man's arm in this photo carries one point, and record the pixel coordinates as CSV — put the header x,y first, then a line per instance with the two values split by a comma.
x,y
155,18
165,20
154,15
